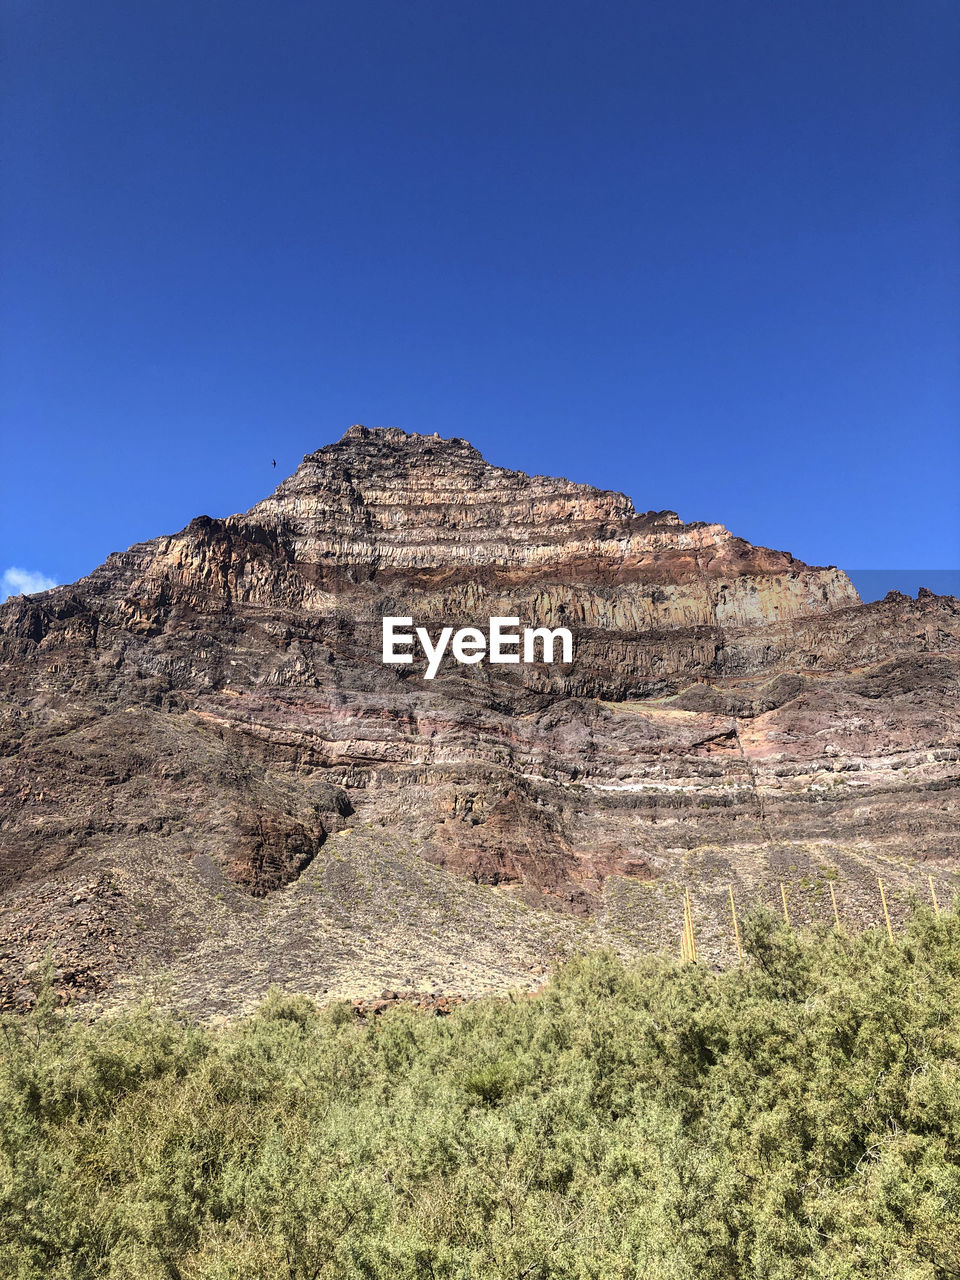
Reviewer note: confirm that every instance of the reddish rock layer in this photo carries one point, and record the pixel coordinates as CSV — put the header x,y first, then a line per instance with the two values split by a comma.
x,y
217,697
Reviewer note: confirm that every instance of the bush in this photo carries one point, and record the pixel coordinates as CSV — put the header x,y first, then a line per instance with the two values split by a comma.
x,y
797,1117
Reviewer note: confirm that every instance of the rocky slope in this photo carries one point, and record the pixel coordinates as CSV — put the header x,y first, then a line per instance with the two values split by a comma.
x,y
206,770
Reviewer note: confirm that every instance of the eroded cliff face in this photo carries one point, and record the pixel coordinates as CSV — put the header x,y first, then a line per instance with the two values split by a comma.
x,y
202,719
433,516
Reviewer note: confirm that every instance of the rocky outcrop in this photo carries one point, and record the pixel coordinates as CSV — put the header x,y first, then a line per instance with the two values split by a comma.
x,y
211,707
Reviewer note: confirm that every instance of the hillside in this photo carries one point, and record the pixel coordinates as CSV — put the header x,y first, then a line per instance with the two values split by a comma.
x,y
795,1117
208,774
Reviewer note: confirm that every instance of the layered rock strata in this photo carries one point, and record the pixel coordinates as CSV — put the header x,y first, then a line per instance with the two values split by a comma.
x,y
205,712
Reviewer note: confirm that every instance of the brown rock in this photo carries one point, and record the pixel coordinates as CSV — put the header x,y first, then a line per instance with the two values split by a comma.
x,y
204,710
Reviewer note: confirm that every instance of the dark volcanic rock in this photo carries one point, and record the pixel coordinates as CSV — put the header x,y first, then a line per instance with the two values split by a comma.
x,y
202,713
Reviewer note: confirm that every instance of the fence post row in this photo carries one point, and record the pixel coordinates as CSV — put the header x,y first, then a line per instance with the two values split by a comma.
x,y
688,943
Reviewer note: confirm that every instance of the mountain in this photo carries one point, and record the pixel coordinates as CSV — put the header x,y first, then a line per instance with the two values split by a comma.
x,y
208,773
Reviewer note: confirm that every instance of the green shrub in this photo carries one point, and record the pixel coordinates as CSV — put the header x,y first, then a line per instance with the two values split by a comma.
x,y
797,1117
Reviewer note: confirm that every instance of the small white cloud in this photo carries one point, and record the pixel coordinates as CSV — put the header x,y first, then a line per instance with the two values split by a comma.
x,y
23,582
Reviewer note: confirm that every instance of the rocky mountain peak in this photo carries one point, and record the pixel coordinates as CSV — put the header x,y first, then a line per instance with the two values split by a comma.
x,y
194,725
386,502
396,435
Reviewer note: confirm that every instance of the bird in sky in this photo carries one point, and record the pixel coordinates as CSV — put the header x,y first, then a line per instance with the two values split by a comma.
x,y
274,464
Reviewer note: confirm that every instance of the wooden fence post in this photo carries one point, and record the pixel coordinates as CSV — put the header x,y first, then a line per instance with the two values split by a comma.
x,y
693,940
783,899
933,895
886,913
833,899
736,927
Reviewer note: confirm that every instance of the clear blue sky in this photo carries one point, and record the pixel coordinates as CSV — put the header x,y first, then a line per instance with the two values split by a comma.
x,y
703,252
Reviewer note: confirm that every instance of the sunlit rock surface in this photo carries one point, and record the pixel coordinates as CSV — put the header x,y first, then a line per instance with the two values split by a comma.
x,y
200,739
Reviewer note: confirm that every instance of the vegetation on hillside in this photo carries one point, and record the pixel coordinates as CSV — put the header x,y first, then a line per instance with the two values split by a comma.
x,y
796,1117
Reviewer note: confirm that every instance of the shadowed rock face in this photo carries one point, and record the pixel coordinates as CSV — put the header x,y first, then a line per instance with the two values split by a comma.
x,y
209,708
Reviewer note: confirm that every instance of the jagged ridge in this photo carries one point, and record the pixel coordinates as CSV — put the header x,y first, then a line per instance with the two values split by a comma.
x,y
207,710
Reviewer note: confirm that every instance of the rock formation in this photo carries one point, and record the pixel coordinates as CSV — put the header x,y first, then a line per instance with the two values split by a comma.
x,y
199,741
